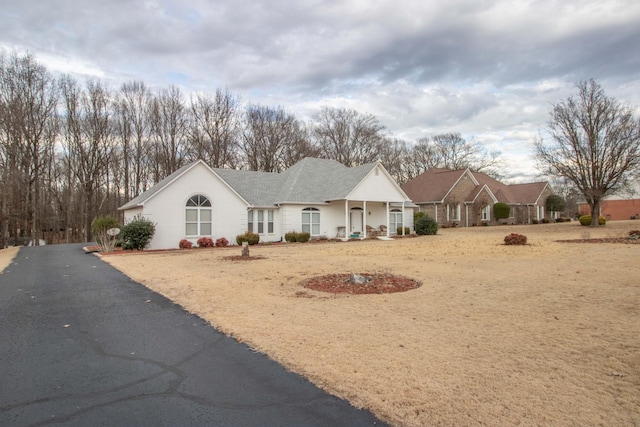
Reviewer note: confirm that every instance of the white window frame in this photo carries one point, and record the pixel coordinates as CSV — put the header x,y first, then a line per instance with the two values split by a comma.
x,y
198,216
312,223
485,214
453,214
395,215
264,221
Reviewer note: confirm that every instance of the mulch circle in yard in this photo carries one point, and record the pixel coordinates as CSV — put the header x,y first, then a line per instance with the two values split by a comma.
x,y
377,283
243,258
603,240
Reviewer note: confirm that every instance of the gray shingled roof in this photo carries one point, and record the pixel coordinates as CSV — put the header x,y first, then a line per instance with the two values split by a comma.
x,y
308,181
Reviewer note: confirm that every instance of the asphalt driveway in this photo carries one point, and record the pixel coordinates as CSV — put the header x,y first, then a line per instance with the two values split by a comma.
x,y
81,344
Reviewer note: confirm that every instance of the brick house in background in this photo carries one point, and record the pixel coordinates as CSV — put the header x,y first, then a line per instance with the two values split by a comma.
x,y
625,204
465,198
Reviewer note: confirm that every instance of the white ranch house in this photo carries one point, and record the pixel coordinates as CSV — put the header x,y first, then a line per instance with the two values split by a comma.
x,y
322,197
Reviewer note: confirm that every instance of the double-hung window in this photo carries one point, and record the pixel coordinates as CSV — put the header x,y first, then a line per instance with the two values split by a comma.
x,y
311,221
263,221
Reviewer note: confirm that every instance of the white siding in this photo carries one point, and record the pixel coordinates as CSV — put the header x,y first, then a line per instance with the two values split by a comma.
x,y
377,186
167,208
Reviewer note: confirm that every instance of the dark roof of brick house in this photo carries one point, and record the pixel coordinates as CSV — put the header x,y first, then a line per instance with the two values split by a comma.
x,y
433,186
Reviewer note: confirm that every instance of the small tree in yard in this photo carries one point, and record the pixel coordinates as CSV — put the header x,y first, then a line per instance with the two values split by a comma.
x,y
555,203
100,229
501,211
594,142
137,233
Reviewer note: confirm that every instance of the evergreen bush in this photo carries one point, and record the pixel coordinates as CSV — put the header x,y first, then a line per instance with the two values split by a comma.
x,y
137,233
425,225
249,237
586,220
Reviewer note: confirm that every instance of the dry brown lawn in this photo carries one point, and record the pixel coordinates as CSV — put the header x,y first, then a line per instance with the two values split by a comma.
x,y
6,256
542,334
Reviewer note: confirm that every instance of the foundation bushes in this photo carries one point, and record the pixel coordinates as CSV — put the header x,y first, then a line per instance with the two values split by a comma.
x,y
293,237
185,244
407,231
586,220
249,237
222,242
205,242
136,234
515,239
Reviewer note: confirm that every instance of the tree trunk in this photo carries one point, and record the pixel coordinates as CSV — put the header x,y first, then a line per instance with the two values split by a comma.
x,y
595,212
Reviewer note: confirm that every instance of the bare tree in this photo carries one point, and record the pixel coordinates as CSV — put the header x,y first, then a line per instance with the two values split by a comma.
x,y
348,136
29,108
88,143
594,143
169,132
215,129
273,139
134,128
452,151
395,155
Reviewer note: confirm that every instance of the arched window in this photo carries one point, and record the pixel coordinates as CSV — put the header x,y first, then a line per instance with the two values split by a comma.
x,y
311,221
198,216
395,220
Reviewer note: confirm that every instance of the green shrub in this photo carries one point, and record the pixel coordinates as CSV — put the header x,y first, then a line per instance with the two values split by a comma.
x,y
545,220
99,228
515,239
426,225
249,237
301,237
407,231
501,210
586,220
534,221
418,215
137,233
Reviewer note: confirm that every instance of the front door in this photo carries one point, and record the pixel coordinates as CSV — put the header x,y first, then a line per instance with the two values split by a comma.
x,y
356,220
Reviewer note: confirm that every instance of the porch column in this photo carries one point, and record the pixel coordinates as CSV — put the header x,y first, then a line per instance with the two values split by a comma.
x,y
347,228
403,214
364,218
388,225
466,215
435,211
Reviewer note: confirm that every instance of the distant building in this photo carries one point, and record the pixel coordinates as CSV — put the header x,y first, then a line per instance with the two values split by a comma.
x,y
623,205
464,198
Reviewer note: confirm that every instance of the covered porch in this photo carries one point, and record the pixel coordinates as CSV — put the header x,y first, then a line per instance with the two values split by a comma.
x,y
363,218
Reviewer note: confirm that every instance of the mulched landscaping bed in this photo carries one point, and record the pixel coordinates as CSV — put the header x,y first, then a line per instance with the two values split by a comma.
x,y
243,258
381,283
603,240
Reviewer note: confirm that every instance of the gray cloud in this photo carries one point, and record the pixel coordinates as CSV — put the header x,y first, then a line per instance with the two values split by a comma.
x,y
489,69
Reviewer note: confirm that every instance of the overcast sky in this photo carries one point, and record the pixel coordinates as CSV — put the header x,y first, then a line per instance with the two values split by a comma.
x,y
487,69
